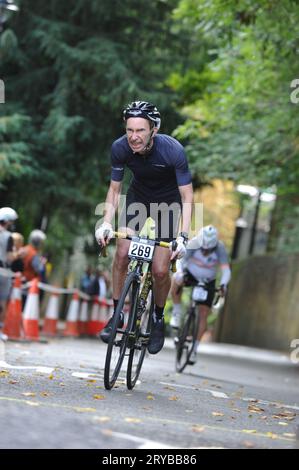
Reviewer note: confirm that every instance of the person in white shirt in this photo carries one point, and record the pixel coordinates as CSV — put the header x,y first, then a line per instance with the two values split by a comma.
x,y
205,254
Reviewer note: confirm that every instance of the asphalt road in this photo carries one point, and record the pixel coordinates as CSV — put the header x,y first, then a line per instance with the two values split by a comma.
x,y
52,397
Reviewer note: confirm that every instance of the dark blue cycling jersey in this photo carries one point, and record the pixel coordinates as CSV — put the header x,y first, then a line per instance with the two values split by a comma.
x,y
156,175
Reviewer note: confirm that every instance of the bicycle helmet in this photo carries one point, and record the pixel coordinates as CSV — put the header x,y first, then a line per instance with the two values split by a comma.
x,y
208,237
143,109
7,214
36,237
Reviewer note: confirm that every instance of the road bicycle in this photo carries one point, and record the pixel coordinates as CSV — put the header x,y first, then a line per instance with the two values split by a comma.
x,y
187,332
132,339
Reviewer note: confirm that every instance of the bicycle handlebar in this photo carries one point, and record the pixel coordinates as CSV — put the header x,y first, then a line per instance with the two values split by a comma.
x,y
125,236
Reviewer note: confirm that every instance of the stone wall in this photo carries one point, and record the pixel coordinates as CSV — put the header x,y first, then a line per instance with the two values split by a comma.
x,y
262,306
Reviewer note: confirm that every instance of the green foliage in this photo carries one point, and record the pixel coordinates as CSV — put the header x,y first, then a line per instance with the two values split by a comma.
x,y
242,126
72,69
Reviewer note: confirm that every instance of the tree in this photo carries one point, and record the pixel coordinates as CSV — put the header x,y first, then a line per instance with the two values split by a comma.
x,y
76,65
242,125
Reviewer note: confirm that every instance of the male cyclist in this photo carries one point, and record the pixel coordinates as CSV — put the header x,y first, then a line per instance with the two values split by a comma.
x,y
160,175
205,253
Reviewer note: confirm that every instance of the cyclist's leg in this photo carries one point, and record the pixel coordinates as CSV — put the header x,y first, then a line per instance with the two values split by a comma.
x,y
204,311
160,270
120,265
176,295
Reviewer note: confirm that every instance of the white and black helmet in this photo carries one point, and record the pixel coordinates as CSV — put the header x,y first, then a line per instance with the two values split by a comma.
x,y
143,109
208,237
7,214
37,237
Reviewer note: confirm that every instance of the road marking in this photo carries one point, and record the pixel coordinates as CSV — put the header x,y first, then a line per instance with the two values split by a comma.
x,y
143,443
189,387
147,443
41,369
227,397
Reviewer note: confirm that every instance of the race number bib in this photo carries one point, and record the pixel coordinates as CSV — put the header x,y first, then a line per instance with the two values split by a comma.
x,y
199,294
141,249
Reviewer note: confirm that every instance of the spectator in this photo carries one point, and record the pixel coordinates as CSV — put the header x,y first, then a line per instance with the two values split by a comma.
x,y
98,285
34,262
7,218
17,264
86,280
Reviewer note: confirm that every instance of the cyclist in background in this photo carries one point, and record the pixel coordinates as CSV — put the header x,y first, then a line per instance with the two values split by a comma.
x,y
205,253
160,175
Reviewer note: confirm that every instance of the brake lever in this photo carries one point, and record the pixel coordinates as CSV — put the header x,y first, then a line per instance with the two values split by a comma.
x,y
103,249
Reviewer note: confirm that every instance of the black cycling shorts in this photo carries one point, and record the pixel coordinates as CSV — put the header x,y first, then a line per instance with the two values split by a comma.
x,y
190,280
166,217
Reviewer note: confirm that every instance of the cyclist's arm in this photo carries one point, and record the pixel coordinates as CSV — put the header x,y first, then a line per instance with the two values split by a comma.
x,y
112,200
186,192
224,264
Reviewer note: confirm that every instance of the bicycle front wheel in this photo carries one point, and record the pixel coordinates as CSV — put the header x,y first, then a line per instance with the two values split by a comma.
x,y
137,353
186,339
119,337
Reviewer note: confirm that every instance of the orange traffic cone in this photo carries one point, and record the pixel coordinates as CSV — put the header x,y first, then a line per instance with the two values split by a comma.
x,y
94,322
51,316
83,318
71,328
13,318
31,312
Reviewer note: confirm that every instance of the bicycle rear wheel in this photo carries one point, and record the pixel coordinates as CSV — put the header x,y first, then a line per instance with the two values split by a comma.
x,y
137,353
118,341
186,339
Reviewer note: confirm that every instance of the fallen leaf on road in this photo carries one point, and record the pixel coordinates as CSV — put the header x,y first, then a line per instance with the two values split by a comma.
x,y
287,415
282,423
84,410
45,394
173,398
101,419
4,373
236,410
150,397
255,409
133,420
272,435
91,381
249,431
196,428
29,394
217,413
13,382
99,397
169,388
51,377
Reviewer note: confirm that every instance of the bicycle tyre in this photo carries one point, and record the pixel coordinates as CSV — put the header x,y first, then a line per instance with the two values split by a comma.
x,y
137,354
118,339
186,339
